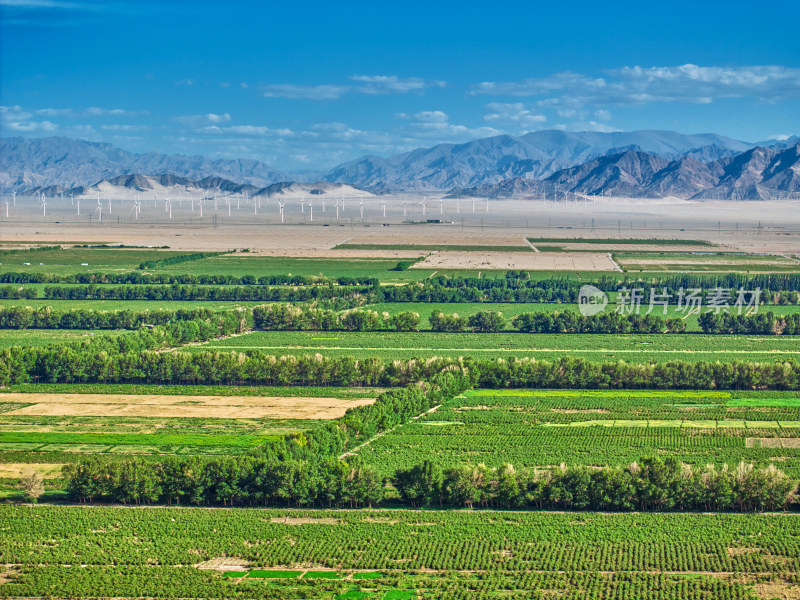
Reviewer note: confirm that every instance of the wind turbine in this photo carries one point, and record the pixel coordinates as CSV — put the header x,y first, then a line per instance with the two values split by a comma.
x,y
281,205
383,204
441,206
311,209
228,201
137,206
6,208
424,200
303,205
404,208
14,198
43,200
362,209
337,209
487,203
99,210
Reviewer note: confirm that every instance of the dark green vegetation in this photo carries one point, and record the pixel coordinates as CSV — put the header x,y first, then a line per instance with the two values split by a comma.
x,y
454,555
566,420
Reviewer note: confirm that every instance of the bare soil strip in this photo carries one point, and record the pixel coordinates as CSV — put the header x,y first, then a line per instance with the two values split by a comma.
x,y
533,261
15,470
219,407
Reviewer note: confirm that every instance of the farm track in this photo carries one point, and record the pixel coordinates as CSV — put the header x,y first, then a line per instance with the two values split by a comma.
x,y
579,350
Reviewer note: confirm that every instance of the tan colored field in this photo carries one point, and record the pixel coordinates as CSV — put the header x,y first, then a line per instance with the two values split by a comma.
x,y
531,261
15,470
441,235
217,407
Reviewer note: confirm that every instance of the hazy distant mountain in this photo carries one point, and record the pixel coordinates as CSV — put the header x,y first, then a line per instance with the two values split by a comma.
x,y
626,163
171,186
756,174
535,155
63,163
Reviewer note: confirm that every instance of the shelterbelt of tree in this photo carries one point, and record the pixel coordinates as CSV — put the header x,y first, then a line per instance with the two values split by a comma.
x,y
287,317
786,282
140,357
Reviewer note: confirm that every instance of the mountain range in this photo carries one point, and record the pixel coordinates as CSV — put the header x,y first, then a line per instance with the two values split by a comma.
x,y
638,163
759,173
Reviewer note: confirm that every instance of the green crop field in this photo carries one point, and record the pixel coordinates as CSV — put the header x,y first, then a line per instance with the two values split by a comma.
x,y
41,337
69,261
380,268
392,554
620,241
594,347
544,428
200,445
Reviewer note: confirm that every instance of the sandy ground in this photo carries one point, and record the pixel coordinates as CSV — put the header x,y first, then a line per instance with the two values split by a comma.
x,y
16,470
530,261
745,226
219,407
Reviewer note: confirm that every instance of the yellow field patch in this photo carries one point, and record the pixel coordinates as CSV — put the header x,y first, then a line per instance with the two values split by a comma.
x,y
218,407
16,470
530,261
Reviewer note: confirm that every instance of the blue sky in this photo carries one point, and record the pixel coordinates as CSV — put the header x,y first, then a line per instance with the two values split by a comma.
x,y
307,85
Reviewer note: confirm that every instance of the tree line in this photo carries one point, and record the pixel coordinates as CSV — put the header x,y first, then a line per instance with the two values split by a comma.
x,y
292,317
25,317
133,358
650,484
178,259
762,323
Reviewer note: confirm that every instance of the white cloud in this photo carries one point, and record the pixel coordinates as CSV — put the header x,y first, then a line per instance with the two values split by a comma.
x,y
305,92
14,118
431,116
95,111
513,113
363,84
602,114
206,119
55,112
126,128
639,85
392,84
257,130
30,126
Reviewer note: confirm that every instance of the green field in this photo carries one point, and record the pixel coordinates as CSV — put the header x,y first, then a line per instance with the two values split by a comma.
x,y
594,347
407,554
41,337
68,261
285,550
546,428
620,241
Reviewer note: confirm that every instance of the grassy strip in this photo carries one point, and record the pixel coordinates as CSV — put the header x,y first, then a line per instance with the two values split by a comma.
x,y
622,241
133,439
189,390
